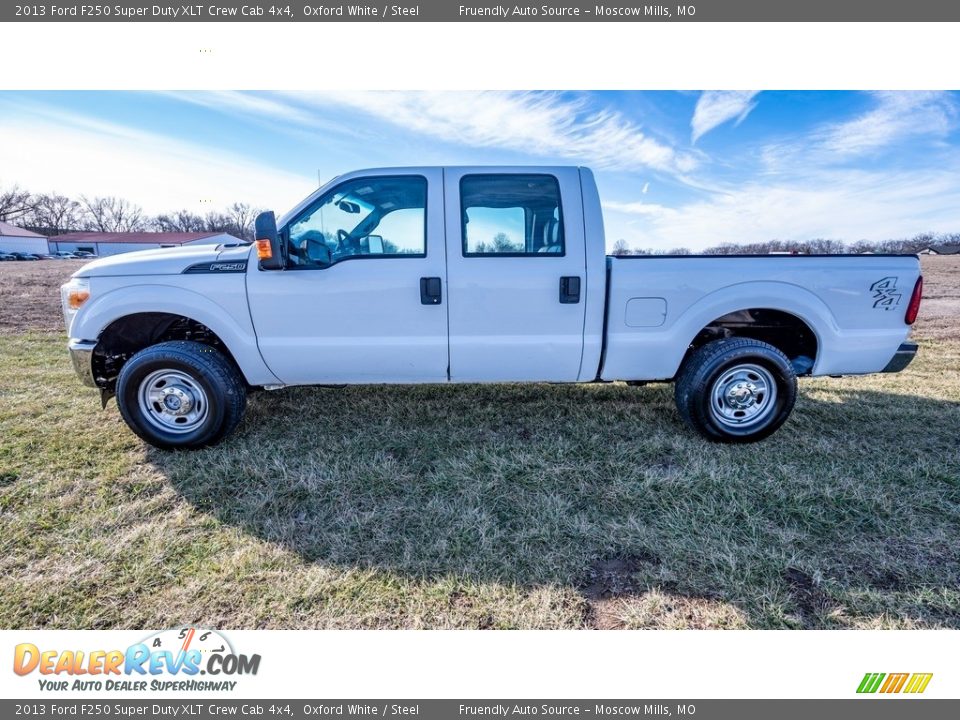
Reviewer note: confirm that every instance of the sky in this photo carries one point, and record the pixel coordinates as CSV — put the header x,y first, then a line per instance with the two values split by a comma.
x,y
674,169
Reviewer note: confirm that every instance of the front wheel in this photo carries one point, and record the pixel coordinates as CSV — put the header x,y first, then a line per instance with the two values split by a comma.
x,y
736,390
181,394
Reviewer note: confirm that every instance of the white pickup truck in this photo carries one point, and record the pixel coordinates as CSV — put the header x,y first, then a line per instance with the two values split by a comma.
x,y
467,275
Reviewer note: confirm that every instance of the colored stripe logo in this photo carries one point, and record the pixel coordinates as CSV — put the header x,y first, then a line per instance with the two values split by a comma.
x,y
913,683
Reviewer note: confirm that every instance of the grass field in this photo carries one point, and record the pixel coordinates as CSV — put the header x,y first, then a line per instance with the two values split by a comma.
x,y
481,506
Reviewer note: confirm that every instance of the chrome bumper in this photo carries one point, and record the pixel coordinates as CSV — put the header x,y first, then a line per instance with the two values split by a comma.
x,y
81,353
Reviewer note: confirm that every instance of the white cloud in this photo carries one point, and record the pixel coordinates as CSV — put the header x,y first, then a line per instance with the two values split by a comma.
x,y
234,102
895,121
895,116
543,124
48,150
715,107
841,205
637,208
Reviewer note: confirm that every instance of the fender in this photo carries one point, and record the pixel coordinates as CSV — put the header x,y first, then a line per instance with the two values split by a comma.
x,y
232,327
659,352
769,295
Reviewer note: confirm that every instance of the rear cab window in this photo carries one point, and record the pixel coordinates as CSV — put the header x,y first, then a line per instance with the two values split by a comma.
x,y
511,216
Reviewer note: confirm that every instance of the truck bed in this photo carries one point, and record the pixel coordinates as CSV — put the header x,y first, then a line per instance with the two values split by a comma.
x,y
657,305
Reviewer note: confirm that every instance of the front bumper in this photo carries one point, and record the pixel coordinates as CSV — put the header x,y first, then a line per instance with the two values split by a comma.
x,y
81,353
903,357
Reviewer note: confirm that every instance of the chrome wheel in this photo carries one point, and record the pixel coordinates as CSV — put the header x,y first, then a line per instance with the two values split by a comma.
x,y
173,401
743,396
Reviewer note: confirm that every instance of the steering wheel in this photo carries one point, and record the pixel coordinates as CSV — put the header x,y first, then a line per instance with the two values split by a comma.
x,y
347,244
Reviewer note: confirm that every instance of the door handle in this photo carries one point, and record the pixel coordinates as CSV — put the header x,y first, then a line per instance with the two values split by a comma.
x,y
430,291
570,290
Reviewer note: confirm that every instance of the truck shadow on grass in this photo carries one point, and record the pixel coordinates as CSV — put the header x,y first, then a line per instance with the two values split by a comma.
x,y
847,517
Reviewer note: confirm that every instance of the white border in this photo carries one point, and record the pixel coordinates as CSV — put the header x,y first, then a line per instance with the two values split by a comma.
x,y
676,664
445,56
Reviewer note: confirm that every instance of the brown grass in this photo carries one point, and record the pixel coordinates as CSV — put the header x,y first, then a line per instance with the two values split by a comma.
x,y
481,507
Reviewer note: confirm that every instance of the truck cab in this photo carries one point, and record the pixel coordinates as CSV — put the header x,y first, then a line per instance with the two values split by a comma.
x,y
435,275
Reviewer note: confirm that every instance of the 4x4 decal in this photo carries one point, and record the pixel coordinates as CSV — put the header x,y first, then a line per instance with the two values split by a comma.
x,y
885,293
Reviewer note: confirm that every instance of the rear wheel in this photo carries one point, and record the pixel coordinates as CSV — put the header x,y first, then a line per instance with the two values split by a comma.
x,y
736,390
181,394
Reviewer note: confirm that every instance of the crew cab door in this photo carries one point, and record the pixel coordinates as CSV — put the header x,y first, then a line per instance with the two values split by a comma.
x,y
363,297
515,273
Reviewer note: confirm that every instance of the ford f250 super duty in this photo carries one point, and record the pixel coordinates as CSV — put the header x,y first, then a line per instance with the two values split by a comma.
x,y
467,275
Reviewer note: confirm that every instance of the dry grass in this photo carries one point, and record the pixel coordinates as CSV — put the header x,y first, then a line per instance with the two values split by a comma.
x,y
486,507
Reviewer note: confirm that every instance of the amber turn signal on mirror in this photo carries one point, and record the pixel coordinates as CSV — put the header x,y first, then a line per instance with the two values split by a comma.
x,y
264,251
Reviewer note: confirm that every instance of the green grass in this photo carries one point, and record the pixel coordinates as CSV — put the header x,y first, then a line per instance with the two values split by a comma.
x,y
482,506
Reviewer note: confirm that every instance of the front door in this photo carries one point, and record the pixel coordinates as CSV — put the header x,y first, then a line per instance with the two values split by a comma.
x,y
363,299
516,272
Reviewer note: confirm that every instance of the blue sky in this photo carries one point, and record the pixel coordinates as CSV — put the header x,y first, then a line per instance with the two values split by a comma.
x,y
674,168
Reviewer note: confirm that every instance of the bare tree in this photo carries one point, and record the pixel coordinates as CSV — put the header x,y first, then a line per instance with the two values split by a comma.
x,y
502,243
243,216
179,221
620,248
15,203
55,214
112,214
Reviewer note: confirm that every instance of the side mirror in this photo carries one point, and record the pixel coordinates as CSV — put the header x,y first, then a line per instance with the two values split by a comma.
x,y
375,244
269,250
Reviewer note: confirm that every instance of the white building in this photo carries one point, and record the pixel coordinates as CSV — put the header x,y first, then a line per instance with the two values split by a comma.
x,y
113,243
14,239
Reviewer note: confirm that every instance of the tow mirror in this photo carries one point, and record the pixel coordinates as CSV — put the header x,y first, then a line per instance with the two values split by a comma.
x,y
268,242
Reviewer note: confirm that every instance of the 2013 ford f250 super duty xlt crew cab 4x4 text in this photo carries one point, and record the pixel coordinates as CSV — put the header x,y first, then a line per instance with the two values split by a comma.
x,y
467,275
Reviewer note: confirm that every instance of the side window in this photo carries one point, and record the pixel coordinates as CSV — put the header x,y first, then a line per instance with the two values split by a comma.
x,y
368,217
511,215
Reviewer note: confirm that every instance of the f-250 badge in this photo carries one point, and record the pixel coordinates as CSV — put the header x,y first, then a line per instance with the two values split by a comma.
x,y
885,293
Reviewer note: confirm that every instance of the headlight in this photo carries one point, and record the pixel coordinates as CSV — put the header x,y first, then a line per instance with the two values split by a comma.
x,y
73,295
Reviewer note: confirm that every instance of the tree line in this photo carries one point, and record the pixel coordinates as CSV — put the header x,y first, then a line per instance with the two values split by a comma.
x,y
54,214
807,247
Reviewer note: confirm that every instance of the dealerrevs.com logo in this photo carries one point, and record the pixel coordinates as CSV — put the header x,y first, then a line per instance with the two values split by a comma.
x,y
170,660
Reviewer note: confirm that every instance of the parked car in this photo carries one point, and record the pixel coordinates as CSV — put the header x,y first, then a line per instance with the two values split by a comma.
x,y
467,275
5,256
24,256
64,255
83,254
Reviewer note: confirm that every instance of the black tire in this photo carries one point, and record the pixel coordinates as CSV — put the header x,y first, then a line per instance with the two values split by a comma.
x,y
732,367
199,377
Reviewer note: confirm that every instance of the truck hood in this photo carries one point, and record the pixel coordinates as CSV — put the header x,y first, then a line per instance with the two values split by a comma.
x,y
163,261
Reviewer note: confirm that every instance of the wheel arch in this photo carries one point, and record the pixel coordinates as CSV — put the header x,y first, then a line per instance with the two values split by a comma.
x,y
766,311
127,320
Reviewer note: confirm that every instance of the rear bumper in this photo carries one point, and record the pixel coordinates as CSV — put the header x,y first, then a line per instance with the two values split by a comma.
x,y
903,357
81,353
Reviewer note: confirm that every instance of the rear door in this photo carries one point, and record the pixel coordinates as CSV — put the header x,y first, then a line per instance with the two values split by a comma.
x,y
516,274
363,298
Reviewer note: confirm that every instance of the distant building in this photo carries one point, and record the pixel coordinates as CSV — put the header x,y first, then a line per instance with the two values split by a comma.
x,y
941,250
101,244
14,239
